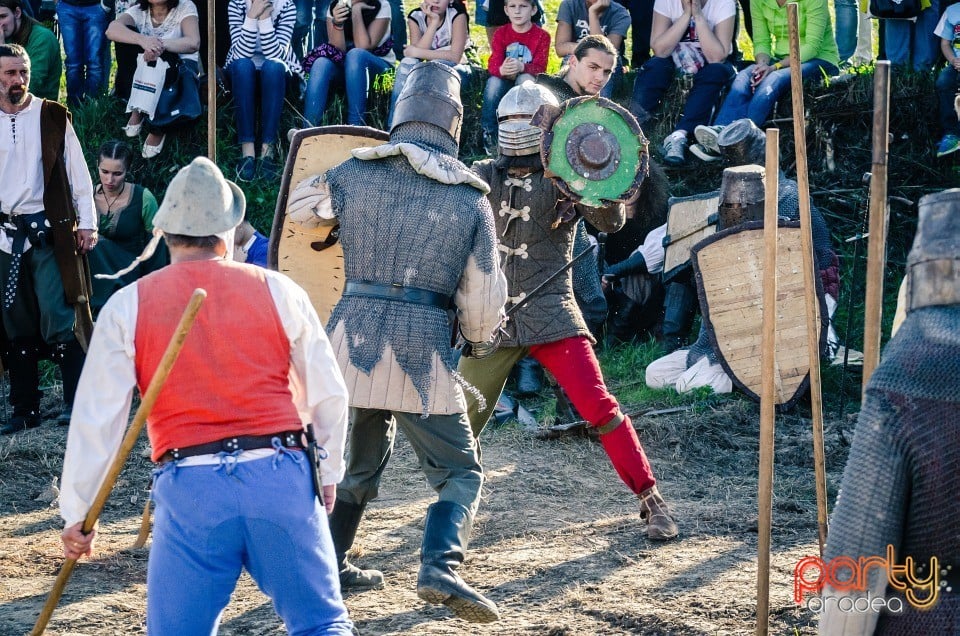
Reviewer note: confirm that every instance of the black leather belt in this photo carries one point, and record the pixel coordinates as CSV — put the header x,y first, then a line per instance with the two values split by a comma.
x,y
397,292
288,439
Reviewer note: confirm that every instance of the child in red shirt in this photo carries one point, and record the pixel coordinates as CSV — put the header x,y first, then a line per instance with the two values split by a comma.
x,y
518,53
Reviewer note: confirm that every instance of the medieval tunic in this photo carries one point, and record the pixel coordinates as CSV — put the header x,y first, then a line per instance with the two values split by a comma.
x,y
114,366
531,248
902,477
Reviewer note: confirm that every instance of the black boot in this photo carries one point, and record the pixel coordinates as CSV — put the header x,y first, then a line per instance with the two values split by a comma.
x,y
679,308
529,377
343,528
445,537
69,356
23,360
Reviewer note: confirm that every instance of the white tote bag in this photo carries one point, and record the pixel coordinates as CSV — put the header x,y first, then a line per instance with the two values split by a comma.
x,y
147,86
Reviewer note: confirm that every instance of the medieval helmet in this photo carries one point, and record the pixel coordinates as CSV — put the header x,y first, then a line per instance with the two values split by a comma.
x,y
517,137
933,265
742,143
431,95
741,196
200,202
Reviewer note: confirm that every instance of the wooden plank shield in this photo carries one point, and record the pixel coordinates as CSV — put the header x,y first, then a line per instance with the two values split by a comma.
x,y
689,221
313,258
729,273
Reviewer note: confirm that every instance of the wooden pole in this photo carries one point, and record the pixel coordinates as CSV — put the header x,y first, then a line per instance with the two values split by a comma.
x,y
144,526
809,274
879,213
212,80
129,440
768,372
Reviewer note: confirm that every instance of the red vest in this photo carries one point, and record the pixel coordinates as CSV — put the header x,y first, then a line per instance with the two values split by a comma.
x,y
232,374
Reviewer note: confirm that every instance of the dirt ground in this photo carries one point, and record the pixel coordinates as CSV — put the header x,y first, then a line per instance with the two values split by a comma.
x,y
558,543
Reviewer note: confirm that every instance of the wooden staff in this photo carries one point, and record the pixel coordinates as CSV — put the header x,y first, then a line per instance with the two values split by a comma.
x,y
212,80
809,273
129,440
144,527
768,373
879,212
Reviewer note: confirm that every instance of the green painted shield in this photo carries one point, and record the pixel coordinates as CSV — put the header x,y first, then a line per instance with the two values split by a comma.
x,y
596,151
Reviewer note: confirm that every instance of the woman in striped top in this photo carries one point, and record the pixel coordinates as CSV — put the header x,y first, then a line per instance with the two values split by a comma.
x,y
260,53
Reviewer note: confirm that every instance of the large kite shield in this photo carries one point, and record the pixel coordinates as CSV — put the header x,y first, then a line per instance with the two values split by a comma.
x,y
729,272
313,257
594,150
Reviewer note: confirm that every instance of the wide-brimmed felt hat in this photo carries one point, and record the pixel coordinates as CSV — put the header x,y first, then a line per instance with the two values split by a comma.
x,y
200,202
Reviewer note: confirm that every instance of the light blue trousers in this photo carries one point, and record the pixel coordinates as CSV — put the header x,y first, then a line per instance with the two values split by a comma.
x,y
211,521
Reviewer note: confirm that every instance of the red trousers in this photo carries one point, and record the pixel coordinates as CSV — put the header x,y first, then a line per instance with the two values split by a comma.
x,y
574,365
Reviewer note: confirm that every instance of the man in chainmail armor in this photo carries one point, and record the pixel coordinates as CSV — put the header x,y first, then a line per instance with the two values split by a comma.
x,y
418,236
742,143
536,226
900,484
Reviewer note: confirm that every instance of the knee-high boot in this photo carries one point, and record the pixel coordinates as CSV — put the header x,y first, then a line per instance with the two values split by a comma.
x,y
23,360
445,538
344,522
69,356
679,308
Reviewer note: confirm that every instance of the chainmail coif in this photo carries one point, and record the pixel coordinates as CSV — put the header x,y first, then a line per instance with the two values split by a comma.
x,y
902,477
425,244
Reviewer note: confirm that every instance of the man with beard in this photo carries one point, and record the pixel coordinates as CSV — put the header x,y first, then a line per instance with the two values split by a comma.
x,y
43,179
418,237
536,227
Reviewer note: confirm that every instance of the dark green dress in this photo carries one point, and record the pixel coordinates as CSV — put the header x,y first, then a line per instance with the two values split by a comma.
x,y
123,235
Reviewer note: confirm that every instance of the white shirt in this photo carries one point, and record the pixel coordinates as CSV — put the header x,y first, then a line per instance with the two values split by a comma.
x,y
102,405
21,168
688,56
170,29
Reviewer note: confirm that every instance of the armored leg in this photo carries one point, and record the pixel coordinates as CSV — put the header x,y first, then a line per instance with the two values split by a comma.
x,y
445,538
679,308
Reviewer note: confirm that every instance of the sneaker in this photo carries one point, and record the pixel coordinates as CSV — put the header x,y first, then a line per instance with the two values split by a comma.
x,y
674,148
703,154
707,137
949,144
268,168
247,170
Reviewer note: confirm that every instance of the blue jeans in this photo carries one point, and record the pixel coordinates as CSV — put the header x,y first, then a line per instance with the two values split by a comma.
x,y
403,69
848,18
914,44
657,74
212,521
358,69
310,29
493,92
743,101
82,29
948,83
243,84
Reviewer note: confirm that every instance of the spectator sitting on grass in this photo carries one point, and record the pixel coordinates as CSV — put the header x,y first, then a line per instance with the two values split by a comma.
x,y
359,49
757,88
576,19
41,45
258,64
693,38
439,31
948,82
518,54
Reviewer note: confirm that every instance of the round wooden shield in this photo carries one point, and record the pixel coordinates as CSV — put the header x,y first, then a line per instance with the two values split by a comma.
x,y
313,258
729,273
595,149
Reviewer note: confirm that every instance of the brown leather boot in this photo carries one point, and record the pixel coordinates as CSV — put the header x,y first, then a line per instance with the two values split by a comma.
x,y
660,525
